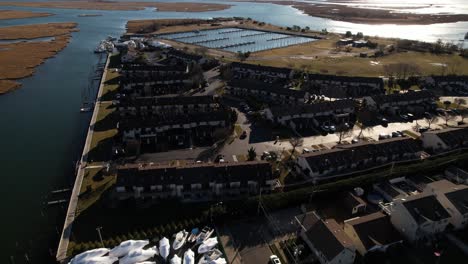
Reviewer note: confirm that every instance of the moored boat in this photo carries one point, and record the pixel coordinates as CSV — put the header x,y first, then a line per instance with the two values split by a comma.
x,y
126,246
164,248
176,260
207,245
180,239
193,235
204,234
210,256
98,252
189,257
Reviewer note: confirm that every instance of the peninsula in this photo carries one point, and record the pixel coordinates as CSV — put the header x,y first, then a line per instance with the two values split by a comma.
x,y
17,14
343,12
19,59
117,5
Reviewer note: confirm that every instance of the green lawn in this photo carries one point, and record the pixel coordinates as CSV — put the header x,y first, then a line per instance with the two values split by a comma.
x,y
93,186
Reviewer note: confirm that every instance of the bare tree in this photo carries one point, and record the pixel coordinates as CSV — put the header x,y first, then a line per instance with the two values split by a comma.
x,y
447,104
295,142
459,102
433,119
447,118
343,132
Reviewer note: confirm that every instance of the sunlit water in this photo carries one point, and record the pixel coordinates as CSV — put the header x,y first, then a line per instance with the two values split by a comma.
x,y
42,131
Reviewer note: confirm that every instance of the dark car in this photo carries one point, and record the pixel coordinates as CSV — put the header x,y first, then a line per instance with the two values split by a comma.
x,y
243,135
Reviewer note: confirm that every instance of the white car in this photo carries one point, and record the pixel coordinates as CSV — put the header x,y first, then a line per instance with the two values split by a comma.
x,y
274,259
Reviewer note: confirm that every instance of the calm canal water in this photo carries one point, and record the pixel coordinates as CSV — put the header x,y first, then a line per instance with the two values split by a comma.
x,y
42,131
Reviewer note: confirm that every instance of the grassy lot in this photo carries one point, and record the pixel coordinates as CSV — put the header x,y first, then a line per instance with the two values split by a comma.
x,y
303,57
104,131
93,186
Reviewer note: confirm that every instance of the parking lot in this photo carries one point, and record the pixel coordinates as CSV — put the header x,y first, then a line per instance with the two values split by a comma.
x,y
261,139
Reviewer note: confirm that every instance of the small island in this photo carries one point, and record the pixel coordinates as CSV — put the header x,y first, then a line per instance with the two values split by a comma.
x,y
17,14
19,59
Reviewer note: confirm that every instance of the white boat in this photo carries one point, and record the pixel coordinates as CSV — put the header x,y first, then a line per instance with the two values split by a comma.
x,y
207,245
164,247
193,235
98,252
219,261
126,246
204,234
180,239
99,260
210,256
189,257
175,260
139,255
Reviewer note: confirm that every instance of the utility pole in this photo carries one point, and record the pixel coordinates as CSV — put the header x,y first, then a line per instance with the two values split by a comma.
x,y
98,229
259,201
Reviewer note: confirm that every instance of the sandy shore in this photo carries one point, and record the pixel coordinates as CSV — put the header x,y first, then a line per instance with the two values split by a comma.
x,y
366,15
16,14
19,60
115,5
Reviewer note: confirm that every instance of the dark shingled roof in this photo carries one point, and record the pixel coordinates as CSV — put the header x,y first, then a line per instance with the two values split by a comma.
x,y
374,230
329,238
425,208
355,153
459,198
402,97
268,87
164,174
167,100
346,79
336,105
352,200
452,137
260,68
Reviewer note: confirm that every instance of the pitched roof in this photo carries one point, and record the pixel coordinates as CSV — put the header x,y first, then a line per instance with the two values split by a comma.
x,y
374,230
163,174
167,100
345,79
459,198
329,238
452,137
356,153
425,208
352,200
260,68
403,97
337,105
263,86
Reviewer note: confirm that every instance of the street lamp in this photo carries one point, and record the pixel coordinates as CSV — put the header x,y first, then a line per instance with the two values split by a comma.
x,y
211,210
98,229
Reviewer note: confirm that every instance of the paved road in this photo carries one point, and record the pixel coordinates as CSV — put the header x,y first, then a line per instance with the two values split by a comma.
x,y
241,146
71,212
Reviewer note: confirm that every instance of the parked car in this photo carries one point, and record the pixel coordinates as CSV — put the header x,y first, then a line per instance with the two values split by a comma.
x,y
396,134
325,128
243,135
332,129
423,129
219,158
305,150
404,116
384,136
274,259
354,141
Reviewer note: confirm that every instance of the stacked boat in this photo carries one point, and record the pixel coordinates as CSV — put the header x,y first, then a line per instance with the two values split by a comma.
x,y
143,252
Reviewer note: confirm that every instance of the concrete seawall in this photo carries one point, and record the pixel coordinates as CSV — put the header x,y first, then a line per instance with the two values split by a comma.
x,y
61,255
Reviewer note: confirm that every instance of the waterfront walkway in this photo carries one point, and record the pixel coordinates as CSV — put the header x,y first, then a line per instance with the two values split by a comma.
x,y
71,212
